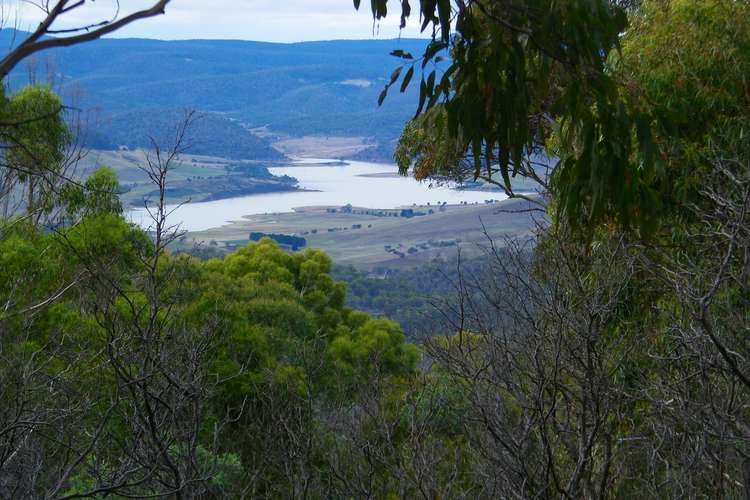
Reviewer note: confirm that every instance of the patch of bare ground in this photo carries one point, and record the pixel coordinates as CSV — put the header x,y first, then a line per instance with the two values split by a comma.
x,y
321,146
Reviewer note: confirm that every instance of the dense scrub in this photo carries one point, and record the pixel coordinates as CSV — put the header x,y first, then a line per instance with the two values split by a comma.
x,y
128,371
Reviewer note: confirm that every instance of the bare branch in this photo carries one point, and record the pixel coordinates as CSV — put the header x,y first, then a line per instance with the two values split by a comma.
x,y
37,42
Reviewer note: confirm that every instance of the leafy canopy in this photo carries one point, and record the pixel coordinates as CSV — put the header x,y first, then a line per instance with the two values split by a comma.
x,y
620,99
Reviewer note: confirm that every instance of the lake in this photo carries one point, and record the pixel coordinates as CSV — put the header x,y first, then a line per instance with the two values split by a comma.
x,y
328,185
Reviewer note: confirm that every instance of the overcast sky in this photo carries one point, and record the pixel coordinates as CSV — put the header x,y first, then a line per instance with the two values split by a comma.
x,y
266,20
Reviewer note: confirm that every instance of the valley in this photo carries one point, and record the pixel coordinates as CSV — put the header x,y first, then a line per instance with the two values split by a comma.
x,y
302,94
362,214
350,209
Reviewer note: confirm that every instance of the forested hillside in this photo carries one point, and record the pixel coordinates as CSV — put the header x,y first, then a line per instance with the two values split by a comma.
x,y
315,88
210,134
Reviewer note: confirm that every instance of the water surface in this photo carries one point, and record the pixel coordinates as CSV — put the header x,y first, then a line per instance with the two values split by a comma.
x,y
328,185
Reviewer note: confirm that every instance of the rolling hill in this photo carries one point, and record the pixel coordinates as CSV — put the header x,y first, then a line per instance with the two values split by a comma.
x,y
132,87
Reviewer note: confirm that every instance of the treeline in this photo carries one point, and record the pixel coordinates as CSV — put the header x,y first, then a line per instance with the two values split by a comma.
x,y
294,242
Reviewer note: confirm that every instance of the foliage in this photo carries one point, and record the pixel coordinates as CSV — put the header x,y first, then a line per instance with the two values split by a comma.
x,y
296,242
686,64
98,195
274,325
35,137
520,72
572,79
415,298
34,114
613,365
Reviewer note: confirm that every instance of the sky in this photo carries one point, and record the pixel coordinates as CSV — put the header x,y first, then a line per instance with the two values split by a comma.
x,y
263,20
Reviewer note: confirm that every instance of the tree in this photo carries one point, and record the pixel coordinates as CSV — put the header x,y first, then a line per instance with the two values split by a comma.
x,y
34,137
519,73
33,132
584,82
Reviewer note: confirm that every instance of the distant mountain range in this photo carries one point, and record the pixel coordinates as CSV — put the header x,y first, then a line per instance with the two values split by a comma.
x,y
131,88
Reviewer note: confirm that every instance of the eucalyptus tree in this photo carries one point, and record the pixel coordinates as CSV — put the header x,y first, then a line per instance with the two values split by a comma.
x,y
587,82
518,72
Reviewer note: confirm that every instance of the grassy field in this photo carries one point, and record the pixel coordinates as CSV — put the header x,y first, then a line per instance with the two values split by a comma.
x,y
368,242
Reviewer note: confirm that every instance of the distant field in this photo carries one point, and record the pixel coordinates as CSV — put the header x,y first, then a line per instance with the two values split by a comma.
x,y
431,236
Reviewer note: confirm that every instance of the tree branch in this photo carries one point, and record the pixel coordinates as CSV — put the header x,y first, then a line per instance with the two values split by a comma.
x,y
33,44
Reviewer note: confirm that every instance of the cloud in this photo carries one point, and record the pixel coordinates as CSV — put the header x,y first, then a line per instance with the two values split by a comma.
x,y
267,20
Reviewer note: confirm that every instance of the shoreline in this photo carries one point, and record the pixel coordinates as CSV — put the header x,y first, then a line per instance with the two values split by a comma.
x,y
368,238
375,189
